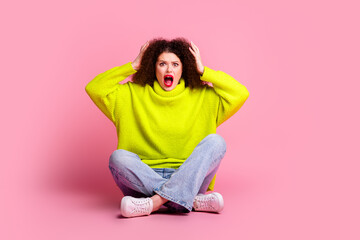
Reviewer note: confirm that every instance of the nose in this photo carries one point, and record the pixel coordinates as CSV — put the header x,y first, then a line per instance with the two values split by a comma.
x,y
169,68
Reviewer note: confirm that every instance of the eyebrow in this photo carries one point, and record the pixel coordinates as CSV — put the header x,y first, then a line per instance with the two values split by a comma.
x,y
166,61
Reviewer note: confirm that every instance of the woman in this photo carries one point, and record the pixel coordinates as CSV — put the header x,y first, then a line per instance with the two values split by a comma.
x,y
168,151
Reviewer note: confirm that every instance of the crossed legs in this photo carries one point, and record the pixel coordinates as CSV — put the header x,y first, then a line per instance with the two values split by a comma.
x,y
178,192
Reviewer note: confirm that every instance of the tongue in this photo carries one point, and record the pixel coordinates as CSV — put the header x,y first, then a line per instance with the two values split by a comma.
x,y
168,83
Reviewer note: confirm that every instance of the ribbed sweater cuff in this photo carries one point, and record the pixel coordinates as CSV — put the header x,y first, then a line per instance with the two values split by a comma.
x,y
209,75
128,69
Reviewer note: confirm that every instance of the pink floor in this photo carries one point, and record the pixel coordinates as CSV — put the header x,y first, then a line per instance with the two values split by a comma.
x,y
291,170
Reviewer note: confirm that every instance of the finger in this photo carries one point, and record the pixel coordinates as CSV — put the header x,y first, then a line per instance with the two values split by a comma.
x,y
144,47
195,51
147,43
192,51
194,46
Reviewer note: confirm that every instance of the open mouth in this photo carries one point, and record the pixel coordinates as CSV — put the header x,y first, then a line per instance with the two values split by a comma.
x,y
168,80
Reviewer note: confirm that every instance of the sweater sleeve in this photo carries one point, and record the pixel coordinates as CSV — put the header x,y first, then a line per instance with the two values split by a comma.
x,y
232,94
103,89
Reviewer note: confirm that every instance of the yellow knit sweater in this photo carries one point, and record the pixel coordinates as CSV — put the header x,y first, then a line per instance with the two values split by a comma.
x,y
163,127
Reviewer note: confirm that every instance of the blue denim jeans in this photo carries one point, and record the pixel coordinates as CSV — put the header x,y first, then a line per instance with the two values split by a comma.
x,y
179,186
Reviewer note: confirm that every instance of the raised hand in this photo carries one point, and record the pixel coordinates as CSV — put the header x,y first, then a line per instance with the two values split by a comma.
x,y
195,51
136,63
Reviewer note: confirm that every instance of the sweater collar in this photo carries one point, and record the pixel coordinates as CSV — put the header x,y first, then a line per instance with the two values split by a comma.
x,y
176,91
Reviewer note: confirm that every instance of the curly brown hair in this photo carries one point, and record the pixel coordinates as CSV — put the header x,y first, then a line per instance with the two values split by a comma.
x,y
180,47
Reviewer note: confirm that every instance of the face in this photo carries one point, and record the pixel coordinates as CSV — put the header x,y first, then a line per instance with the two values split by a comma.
x,y
168,70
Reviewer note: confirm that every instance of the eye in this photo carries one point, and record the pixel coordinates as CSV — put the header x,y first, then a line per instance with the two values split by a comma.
x,y
162,64
176,64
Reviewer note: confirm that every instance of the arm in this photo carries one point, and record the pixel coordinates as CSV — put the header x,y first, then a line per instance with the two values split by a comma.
x,y
232,94
103,88
107,82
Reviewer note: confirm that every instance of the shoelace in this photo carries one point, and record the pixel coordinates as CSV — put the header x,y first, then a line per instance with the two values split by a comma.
x,y
141,206
205,203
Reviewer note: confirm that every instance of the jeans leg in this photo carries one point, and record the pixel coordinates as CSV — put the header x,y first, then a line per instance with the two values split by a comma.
x,y
132,176
186,182
209,177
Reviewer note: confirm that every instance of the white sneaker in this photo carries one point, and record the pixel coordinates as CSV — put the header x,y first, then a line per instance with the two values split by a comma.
x,y
133,207
212,202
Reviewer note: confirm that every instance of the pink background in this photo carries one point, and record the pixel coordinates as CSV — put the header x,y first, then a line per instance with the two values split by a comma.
x,y
292,166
